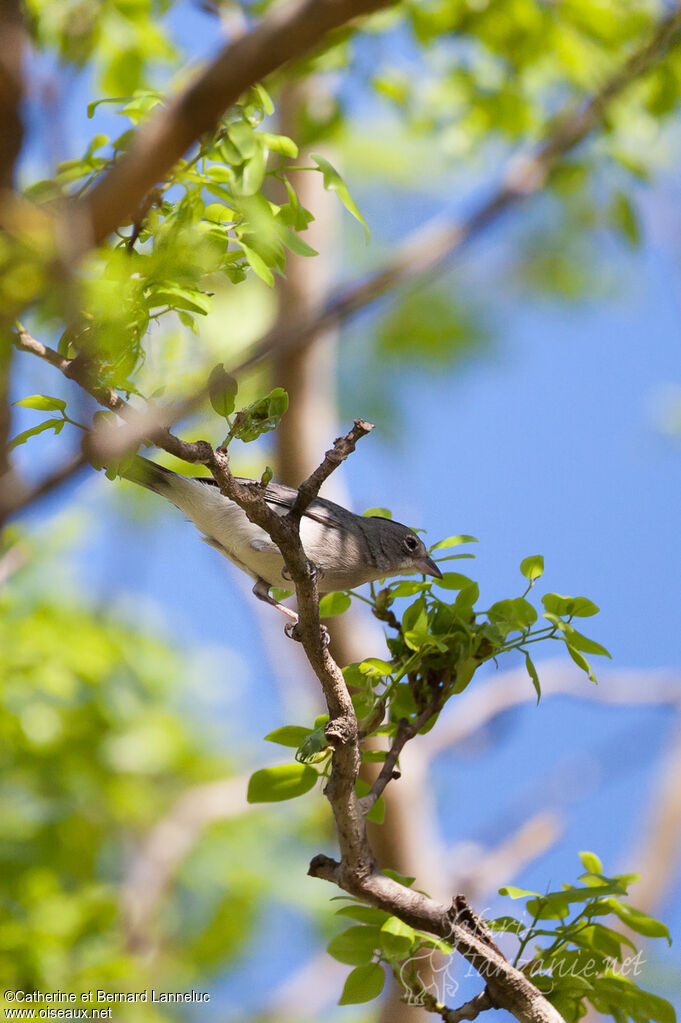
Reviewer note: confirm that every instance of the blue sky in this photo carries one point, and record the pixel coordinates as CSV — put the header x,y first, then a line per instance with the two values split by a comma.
x,y
549,443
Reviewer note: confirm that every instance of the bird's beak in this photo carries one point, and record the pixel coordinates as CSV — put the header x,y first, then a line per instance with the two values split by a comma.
x,y
428,567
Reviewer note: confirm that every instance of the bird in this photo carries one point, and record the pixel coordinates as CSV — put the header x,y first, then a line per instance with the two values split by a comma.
x,y
346,549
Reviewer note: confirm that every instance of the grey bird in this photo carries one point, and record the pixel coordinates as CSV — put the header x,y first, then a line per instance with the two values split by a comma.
x,y
347,549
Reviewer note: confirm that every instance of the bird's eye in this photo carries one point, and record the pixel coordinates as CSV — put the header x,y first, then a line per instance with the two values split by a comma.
x,y
411,543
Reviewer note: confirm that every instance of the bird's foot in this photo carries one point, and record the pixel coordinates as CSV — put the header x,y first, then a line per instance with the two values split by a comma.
x,y
292,630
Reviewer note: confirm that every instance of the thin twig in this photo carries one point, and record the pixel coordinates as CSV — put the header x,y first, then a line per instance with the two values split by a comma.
x,y
469,1010
406,730
342,447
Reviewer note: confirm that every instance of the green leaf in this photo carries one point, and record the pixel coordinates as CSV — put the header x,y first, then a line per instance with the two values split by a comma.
x,y
453,541
591,862
244,138
296,244
578,606
261,416
506,925
533,567
583,607
190,299
516,893
49,424
250,178
363,984
313,745
624,218
515,614
258,264
373,756
285,781
377,812
356,945
415,625
42,402
532,672
377,513
333,604
639,921
288,735
577,641
397,937
222,388
333,182
280,144
375,666
365,914
453,581
467,599
408,589
265,98
400,878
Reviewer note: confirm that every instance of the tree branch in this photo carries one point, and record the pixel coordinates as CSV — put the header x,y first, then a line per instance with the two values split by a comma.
x,y
18,497
12,39
406,730
356,872
285,33
428,247
423,251
342,448
105,443
469,1010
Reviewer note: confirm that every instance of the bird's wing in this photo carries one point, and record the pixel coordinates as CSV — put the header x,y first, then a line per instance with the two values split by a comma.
x,y
321,510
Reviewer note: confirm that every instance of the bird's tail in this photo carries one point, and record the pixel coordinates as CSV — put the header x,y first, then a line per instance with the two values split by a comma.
x,y
150,475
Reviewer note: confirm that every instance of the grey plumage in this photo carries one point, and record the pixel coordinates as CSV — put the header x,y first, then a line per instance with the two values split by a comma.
x,y
348,549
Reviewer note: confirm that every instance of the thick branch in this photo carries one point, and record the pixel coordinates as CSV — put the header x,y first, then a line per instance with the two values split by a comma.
x,y
12,38
287,32
507,986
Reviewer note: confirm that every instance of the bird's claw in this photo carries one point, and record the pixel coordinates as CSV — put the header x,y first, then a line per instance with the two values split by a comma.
x,y
316,571
292,630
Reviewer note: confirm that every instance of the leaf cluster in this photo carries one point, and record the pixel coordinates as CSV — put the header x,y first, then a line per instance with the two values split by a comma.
x,y
578,959
436,647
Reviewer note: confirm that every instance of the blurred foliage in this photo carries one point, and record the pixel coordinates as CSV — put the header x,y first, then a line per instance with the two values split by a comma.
x,y
431,326
95,750
123,40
